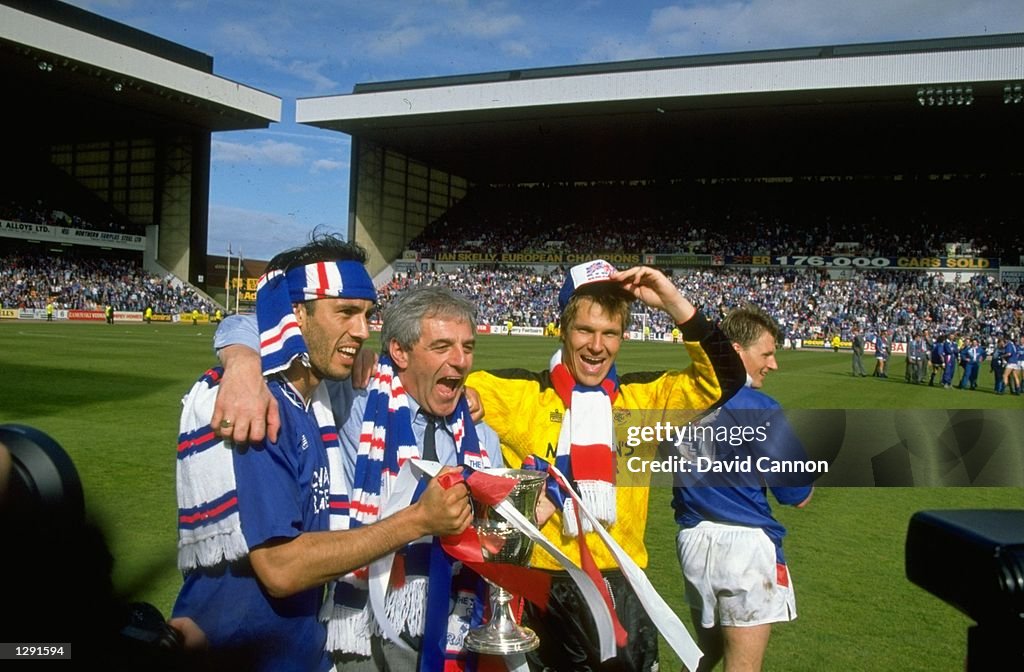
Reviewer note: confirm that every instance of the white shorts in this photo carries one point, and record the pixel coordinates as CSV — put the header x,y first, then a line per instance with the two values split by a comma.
x,y
1013,367
732,577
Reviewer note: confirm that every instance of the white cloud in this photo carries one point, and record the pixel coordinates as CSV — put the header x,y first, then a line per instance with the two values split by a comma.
x,y
274,43
419,26
330,139
614,49
98,5
485,26
256,234
264,152
395,42
307,71
760,24
516,49
323,165
244,39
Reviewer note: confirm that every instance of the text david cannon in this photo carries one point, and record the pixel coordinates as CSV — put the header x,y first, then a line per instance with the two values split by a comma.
x,y
745,465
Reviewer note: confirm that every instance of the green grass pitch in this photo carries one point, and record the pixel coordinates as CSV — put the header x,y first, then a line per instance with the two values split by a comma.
x,y
111,396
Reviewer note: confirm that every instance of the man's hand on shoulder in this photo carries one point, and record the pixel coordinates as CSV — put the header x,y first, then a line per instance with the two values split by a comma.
x,y
476,406
362,370
245,411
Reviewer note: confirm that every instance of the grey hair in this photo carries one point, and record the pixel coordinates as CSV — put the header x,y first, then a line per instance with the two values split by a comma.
x,y
403,319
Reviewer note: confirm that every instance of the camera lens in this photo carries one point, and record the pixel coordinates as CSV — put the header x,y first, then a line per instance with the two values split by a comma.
x,y
43,479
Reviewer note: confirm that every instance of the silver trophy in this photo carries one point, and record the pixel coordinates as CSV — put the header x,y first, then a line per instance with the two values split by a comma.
x,y
501,542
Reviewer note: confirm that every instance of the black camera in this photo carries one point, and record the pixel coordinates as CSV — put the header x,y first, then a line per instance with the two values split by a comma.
x,y
43,483
974,561
56,566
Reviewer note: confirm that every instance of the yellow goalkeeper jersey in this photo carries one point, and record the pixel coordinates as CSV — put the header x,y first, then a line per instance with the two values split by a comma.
x,y
526,412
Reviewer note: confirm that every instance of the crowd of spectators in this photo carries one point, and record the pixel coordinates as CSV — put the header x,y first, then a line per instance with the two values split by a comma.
x,y
883,217
813,217
806,303
33,280
520,294
40,213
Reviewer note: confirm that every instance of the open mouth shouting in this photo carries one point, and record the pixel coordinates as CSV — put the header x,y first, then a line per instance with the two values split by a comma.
x,y
448,390
592,365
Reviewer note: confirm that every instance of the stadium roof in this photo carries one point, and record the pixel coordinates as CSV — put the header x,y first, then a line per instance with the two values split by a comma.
x,y
72,73
926,105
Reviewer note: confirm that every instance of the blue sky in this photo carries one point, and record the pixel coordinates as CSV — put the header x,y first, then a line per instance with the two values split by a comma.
x,y
269,188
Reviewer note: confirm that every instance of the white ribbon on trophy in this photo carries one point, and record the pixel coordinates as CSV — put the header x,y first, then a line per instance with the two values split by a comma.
x,y
668,624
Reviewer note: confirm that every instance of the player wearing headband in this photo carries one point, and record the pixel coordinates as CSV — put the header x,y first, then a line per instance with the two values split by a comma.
x,y
263,529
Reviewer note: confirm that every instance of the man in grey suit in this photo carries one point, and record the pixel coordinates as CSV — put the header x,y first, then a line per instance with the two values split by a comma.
x,y
858,352
915,359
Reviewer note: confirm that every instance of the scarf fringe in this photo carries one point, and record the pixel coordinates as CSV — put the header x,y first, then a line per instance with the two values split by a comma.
x,y
209,531
222,545
406,607
348,629
599,498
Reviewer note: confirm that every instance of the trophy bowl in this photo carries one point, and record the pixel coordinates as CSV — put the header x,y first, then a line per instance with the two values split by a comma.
x,y
500,542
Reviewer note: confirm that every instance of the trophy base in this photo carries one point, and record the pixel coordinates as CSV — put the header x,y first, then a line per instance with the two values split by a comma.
x,y
498,642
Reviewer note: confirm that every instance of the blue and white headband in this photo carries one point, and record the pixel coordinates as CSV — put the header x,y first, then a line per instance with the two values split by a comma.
x,y
280,337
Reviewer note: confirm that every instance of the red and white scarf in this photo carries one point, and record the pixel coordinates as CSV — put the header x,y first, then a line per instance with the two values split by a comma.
x,y
586,445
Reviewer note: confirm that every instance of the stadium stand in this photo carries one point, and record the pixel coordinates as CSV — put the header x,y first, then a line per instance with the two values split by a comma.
x,y
752,216
40,214
36,193
806,303
518,293
32,280
720,217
